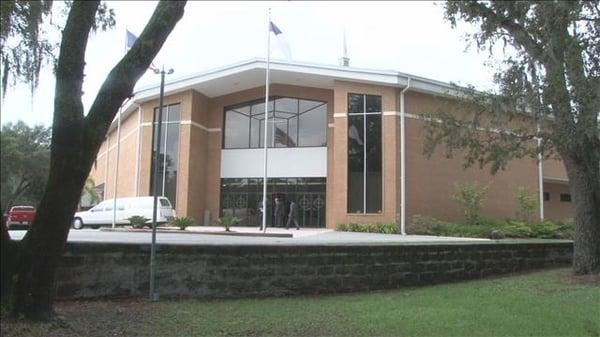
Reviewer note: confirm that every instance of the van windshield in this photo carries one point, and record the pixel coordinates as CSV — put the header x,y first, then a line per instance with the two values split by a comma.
x,y
164,202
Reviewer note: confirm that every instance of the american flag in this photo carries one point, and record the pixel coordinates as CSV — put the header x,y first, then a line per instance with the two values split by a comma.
x,y
281,137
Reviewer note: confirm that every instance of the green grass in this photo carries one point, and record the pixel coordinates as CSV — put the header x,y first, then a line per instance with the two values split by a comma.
x,y
538,304
547,303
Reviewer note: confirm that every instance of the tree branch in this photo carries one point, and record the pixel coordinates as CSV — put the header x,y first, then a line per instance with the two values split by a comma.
x,y
120,82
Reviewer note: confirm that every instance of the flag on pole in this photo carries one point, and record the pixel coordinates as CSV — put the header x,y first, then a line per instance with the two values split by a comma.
x,y
129,39
281,41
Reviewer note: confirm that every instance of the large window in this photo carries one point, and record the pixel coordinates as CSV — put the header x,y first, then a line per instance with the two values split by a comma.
x,y
292,122
242,197
169,152
364,154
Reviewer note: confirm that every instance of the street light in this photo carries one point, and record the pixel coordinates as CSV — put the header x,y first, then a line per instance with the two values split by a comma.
x,y
156,140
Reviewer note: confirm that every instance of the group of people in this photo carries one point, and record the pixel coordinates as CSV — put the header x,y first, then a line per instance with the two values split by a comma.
x,y
279,213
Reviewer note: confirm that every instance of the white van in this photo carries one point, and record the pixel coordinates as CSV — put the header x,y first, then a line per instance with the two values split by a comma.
x,y
102,214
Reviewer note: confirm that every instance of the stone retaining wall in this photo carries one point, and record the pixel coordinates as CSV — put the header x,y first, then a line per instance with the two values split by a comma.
x,y
91,270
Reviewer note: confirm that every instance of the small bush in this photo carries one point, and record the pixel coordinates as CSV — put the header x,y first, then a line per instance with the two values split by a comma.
x,y
227,221
471,197
517,229
137,221
182,222
526,205
381,228
494,229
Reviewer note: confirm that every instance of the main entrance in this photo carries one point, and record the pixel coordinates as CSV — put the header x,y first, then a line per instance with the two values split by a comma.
x,y
242,197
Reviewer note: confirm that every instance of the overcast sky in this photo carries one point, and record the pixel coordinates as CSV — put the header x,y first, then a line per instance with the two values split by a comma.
x,y
410,37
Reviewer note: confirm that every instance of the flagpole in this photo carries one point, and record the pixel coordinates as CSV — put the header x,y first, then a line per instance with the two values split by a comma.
x,y
264,201
114,217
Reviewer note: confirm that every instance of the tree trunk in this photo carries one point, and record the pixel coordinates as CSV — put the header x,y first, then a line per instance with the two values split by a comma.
x,y
75,142
43,245
583,170
9,253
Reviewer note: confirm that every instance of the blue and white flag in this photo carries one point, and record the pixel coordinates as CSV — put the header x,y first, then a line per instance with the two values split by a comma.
x,y
281,41
129,39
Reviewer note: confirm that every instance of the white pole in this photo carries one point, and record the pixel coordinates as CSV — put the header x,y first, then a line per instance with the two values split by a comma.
x,y
264,201
540,162
106,167
137,154
403,162
114,218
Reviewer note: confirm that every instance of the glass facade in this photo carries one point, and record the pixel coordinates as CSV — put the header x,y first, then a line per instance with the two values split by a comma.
x,y
364,154
292,122
169,152
242,197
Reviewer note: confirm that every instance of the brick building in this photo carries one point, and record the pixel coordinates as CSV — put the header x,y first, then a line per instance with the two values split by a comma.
x,y
334,138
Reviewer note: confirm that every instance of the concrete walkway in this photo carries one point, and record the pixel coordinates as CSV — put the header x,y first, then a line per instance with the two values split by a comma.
x,y
304,236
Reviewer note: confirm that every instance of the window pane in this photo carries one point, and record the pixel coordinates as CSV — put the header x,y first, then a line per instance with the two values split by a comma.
x,y
164,114
356,164
172,159
374,180
282,139
305,105
313,127
255,132
174,114
355,103
373,103
293,131
237,128
287,105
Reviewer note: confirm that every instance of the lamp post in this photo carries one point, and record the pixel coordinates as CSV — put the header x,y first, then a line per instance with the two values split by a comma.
x,y
156,141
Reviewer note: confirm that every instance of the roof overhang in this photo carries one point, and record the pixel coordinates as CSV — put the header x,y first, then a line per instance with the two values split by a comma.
x,y
251,73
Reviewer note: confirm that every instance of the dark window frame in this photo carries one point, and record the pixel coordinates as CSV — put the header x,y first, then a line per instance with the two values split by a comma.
x,y
365,136
164,134
565,197
273,99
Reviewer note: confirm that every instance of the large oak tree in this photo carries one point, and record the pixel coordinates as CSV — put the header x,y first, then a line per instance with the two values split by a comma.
x,y
549,90
76,136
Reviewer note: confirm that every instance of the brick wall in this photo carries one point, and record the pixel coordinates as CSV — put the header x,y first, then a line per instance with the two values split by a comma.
x,y
114,270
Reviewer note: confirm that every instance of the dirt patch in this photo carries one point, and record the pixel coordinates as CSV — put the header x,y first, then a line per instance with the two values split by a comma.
x,y
87,319
581,280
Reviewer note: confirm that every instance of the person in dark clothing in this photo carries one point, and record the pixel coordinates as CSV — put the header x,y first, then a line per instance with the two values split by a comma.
x,y
279,212
292,216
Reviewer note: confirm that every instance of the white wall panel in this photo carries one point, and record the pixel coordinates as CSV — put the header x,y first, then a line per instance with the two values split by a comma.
x,y
282,162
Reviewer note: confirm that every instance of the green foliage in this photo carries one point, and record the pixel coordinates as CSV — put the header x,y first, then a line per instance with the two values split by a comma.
x,y
90,191
26,42
137,221
227,222
24,162
487,228
526,204
183,222
471,197
381,228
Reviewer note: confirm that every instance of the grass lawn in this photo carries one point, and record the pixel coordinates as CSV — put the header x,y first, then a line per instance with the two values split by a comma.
x,y
547,303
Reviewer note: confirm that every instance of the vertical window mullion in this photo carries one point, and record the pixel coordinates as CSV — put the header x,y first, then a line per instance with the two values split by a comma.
x,y
165,153
364,117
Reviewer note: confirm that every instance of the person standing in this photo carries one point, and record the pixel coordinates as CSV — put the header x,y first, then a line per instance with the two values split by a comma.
x,y
259,213
279,212
292,216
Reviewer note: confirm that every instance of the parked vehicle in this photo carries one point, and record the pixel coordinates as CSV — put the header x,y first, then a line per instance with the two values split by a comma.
x,y
102,214
20,216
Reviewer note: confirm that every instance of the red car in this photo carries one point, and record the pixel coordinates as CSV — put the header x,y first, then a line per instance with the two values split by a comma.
x,y
20,216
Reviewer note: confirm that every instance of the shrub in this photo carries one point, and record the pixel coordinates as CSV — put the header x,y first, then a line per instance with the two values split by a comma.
x,y
227,221
471,197
526,205
137,221
182,222
517,229
381,228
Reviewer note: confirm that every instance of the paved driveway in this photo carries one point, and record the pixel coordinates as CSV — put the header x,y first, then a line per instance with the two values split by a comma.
x,y
306,236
